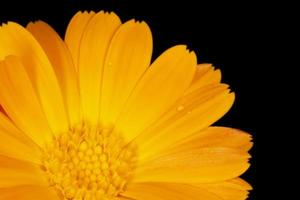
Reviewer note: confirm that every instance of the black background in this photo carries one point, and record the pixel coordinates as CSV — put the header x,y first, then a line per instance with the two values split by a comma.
x,y
225,34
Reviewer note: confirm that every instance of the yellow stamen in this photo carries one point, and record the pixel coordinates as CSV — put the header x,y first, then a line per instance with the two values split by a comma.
x,y
89,163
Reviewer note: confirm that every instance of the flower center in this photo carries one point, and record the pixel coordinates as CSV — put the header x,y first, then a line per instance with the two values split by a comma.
x,y
89,163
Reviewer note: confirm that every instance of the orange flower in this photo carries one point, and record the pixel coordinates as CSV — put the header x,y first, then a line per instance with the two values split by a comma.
x,y
89,117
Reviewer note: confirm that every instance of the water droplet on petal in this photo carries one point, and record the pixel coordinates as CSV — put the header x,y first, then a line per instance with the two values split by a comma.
x,y
180,108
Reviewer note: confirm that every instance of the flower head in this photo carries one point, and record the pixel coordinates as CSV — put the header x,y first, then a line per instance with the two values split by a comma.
x,y
89,117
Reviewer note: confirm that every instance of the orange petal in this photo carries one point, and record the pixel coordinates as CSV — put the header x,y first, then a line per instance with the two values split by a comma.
x,y
193,112
16,40
93,49
162,84
16,172
217,137
122,198
15,144
74,33
28,192
167,191
127,59
61,60
234,189
20,101
203,165
2,110
205,75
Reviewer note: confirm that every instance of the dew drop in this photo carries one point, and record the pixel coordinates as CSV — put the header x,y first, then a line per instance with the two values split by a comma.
x,y
180,108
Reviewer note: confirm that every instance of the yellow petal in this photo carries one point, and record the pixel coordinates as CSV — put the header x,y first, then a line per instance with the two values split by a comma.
x,y
61,60
203,165
16,172
193,112
28,192
127,59
234,189
93,48
19,100
167,191
201,70
74,33
121,198
205,75
217,137
16,40
162,84
15,144
2,110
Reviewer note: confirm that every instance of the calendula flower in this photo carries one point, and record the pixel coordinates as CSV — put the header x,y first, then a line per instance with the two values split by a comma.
x,y
89,117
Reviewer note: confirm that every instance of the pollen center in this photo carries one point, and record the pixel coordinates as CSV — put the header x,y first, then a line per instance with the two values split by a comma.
x,y
89,163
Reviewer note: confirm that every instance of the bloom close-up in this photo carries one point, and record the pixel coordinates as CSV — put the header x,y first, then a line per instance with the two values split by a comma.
x,y
92,117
